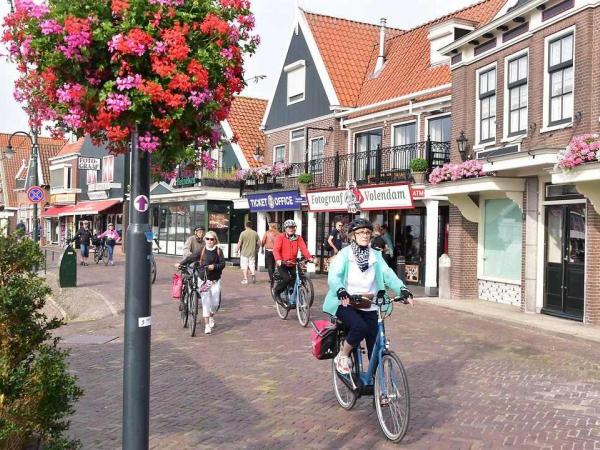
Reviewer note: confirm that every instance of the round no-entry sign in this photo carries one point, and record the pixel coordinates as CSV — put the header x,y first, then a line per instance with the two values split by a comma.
x,y
35,194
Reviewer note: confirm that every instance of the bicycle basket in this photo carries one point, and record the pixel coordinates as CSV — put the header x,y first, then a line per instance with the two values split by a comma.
x,y
323,338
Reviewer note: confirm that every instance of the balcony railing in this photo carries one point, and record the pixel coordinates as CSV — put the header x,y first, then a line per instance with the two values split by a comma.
x,y
381,165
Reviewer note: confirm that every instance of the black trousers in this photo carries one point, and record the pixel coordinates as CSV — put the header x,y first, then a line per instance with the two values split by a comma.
x,y
361,325
285,277
270,263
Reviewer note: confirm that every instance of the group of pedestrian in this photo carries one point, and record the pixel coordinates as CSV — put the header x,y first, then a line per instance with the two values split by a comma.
x,y
380,240
85,236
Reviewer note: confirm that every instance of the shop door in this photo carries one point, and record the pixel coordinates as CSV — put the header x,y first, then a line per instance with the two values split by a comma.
x,y
413,246
565,261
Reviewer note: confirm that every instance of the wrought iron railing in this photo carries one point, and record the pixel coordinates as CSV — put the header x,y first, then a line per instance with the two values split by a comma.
x,y
381,165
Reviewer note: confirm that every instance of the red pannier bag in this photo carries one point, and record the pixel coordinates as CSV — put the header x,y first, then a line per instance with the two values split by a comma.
x,y
176,285
323,338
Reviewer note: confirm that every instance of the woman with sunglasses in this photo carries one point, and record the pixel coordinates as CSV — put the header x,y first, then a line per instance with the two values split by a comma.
x,y
357,270
211,265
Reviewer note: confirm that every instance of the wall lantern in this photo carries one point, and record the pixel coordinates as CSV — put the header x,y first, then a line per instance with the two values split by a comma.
x,y
462,145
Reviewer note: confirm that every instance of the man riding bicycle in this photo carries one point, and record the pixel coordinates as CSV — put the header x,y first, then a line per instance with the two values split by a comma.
x,y
285,251
357,270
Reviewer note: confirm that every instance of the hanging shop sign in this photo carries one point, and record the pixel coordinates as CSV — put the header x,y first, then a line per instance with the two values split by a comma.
x,y
98,195
88,163
366,198
186,182
275,201
104,186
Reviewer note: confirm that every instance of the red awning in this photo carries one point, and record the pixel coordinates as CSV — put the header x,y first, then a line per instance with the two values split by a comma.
x,y
80,208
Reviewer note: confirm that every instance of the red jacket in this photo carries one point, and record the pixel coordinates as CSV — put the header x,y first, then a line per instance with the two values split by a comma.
x,y
287,251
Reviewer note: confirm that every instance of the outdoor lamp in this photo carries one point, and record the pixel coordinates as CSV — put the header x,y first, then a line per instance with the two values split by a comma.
x,y
258,154
8,153
462,145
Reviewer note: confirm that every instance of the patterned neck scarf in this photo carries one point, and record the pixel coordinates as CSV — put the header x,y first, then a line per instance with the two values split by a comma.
x,y
361,254
291,237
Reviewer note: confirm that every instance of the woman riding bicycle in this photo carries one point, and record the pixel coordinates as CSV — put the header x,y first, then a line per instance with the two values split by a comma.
x,y
211,262
357,270
285,251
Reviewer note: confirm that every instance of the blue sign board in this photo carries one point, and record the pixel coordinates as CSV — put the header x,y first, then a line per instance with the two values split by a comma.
x,y
275,201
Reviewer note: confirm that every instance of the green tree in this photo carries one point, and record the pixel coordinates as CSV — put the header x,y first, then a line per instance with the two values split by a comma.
x,y
37,393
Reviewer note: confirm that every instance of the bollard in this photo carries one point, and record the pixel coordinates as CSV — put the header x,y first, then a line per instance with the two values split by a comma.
x,y
444,276
401,267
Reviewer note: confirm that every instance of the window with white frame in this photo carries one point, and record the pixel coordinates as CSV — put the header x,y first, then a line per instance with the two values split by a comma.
x,y
296,82
402,152
560,75
439,129
517,95
502,235
61,177
279,153
297,148
487,105
108,169
92,176
317,152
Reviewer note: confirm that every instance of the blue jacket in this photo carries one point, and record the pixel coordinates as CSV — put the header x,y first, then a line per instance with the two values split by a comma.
x,y
338,277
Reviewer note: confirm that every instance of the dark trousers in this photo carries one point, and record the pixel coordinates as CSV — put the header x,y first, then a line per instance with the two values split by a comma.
x,y
270,263
361,325
285,277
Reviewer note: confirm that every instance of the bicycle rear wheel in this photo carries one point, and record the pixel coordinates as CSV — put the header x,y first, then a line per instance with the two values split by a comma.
x,y
183,308
152,270
345,396
193,312
392,398
303,307
97,256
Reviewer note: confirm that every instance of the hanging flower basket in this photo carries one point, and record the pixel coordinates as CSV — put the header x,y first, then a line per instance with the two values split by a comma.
x,y
581,149
169,67
454,172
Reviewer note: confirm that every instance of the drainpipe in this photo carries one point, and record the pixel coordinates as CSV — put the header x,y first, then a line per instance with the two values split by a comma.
x,y
381,56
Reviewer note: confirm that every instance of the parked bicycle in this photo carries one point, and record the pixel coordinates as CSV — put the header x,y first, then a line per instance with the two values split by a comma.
x,y
385,377
153,269
100,250
300,296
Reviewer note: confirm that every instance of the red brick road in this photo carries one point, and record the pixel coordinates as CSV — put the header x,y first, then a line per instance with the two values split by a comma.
x,y
253,383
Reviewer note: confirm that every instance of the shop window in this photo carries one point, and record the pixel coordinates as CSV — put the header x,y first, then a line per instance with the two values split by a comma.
x,y
502,241
92,176
108,169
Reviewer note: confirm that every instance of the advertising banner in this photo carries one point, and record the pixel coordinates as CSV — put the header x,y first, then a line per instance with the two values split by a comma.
x,y
275,201
365,198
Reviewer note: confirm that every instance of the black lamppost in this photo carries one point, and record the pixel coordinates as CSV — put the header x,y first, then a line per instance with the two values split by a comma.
x,y
33,137
462,145
306,130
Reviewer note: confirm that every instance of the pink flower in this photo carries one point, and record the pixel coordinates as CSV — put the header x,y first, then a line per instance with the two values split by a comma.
x,y
31,9
50,27
167,2
198,98
117,102
148,142
129,82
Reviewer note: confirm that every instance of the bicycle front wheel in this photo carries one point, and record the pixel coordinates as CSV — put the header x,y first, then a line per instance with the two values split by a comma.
x,y
105,256
303,307
392,398
183,308
193,312
97,256
152,270
308,288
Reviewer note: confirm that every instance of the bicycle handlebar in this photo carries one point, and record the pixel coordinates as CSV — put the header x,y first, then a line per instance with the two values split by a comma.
x,y
384,299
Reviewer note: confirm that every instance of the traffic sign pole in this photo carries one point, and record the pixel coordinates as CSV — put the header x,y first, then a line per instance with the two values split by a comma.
x,y
136,373
34,158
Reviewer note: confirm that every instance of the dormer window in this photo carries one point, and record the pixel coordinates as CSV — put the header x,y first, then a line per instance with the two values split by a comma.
x,y
443,34
296,81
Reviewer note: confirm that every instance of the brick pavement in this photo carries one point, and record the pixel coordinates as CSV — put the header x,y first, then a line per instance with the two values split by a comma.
x,y
475,383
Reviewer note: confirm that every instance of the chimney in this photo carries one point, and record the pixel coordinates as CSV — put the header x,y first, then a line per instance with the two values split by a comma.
x,y
381,56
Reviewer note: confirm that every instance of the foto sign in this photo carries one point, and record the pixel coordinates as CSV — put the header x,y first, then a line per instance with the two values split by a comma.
x,y
366,198
275,201
88,163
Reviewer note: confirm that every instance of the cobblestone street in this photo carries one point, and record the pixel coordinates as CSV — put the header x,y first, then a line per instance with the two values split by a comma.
x,y
253,383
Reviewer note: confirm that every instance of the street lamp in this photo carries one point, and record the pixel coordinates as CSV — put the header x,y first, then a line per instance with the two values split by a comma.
x,y
258,154
462,145
7,154
33,137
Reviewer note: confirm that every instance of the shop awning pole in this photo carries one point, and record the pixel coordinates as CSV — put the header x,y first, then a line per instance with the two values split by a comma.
x,y
136,371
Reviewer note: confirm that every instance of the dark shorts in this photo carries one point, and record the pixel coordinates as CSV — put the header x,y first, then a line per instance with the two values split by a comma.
x,y
85,250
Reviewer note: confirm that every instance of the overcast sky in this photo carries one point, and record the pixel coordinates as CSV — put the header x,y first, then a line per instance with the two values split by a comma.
x,y
273,21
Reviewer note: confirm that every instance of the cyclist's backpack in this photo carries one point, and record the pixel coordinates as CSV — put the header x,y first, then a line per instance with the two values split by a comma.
x,y
176,285
323,337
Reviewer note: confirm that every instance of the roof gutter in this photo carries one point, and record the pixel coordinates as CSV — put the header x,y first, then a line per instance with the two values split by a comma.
x,y
410,96
491,26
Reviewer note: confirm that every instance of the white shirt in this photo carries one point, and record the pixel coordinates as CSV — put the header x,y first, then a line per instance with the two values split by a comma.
x,y
362,282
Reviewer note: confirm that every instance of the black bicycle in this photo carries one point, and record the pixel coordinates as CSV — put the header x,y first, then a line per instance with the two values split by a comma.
x,y
100,250
188,303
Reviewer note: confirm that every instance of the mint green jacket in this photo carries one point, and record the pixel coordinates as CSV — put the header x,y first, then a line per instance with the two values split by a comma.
x,y
338,277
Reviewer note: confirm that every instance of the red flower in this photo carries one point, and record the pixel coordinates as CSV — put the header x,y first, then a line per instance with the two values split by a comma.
x,y
199,74
118,7
214,24
163,125
162,66
117,133
154,90
180,82
222,113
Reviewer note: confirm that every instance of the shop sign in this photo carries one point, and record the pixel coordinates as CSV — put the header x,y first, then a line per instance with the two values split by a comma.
x,y
103,186
366,198
417,193
62,199
98,195
88,163
218,221
185,182
275,201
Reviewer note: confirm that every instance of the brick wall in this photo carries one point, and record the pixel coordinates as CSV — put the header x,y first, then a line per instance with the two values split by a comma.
x,y
462,249
592,281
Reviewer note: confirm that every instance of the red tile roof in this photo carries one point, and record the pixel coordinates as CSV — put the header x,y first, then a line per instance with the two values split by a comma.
x,y
349,50
244,118
72,147
22,148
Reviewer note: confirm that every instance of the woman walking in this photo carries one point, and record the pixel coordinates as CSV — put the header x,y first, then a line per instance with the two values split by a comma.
x,y
212,263
112,237
85,236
